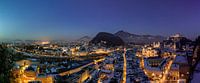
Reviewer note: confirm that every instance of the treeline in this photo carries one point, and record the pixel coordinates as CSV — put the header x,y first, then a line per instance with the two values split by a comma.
x,y
195,59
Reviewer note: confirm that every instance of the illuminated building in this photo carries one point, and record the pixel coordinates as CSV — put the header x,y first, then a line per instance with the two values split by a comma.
x,y
156,44
174,73
184,67
149,52
154,67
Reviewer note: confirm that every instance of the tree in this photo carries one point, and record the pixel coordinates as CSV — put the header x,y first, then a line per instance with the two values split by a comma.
x,y
6,64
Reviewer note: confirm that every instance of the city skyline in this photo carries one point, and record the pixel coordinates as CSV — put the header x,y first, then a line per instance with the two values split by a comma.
x,y
99,41
35,19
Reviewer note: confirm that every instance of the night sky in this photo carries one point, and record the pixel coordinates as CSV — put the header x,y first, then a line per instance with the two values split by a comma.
x,y
71,19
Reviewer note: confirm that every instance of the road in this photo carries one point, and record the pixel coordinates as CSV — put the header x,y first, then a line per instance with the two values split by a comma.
x,y
166,72
124,68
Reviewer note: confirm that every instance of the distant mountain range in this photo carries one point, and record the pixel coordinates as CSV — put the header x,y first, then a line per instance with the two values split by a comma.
x,y
138,39
127,37
84,39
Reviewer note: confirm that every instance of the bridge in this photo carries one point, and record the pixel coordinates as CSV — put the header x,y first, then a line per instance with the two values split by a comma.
x,y
80,68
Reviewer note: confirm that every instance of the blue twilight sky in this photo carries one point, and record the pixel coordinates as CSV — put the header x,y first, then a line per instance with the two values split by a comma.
x,y
71,19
